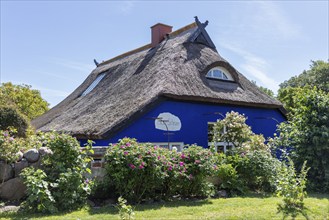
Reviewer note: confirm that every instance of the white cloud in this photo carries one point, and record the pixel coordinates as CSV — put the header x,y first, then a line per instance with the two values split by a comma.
x,y
254,66
83,67
125,7
269,19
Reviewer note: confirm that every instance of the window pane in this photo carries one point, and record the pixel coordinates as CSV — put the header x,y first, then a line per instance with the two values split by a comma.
x,y
217,74
210,132
93,84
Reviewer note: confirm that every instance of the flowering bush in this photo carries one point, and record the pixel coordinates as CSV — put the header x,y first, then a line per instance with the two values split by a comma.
x,y
8,147
232,129
143,171
199,163
61,181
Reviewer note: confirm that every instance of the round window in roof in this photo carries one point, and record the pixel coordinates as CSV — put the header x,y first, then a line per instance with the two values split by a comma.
x,y
219,73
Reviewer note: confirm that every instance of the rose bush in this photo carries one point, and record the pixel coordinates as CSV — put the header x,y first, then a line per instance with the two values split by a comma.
x,y
144,171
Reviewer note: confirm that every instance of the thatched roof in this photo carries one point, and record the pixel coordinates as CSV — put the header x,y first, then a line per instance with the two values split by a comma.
x,y
137,80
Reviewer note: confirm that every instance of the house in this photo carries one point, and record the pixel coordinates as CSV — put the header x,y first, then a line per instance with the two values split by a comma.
x,y
167,92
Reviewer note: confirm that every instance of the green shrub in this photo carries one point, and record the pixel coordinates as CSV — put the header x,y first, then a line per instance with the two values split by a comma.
x,y
229,179
39,196
126,211
261,171
137,171
255,171
11,118
62,178
251,158
198,164
143,171
291,187
9,147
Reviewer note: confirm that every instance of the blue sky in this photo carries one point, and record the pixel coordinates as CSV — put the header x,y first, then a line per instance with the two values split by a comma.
x,y
51,44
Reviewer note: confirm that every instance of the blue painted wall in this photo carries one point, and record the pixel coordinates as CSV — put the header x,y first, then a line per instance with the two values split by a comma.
x,y
194,118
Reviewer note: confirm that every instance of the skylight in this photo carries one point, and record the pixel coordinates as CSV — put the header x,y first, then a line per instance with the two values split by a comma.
x,y
94,84
219,73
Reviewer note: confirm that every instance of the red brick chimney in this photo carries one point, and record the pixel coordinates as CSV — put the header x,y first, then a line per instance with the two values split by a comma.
x,y
159,32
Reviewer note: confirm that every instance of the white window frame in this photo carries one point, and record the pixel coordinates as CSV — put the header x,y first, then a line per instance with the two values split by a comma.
x,y
178,145
221,69
92,86
219,144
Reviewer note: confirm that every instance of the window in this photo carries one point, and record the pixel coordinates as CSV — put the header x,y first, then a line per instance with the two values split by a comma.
x,y
93,84
178,145
219,73
219,146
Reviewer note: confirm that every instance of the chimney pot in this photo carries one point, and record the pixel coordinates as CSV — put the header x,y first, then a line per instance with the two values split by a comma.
x,y
159,31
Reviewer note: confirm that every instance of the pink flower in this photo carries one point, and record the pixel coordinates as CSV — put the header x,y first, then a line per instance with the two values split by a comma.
x,y
141,167
5,134
132,166
11,139
170,168
182,156
122,147
155,147
143,164
128,144
181,164
190,176
140,156
197,161
125,153
159,157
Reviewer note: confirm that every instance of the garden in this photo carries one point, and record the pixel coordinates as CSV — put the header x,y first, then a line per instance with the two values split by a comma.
x,y
284,176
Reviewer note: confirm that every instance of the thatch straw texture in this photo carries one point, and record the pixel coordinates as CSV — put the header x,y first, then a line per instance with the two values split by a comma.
x,y
174,69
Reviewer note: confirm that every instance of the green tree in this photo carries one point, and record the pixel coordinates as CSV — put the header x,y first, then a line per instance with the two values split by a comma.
x,y
264,89
26,100
307,132
317,75
11,118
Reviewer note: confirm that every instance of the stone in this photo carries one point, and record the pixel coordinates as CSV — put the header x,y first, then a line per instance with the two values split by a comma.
x,y
9,208
45,151
109,202
222,194
6,172
13,189
91,203
19,155
32,155
36,165
19,166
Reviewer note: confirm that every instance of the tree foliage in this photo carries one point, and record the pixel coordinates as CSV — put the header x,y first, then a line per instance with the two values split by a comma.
x,y
26,100
264,89
11,118
307,133
317,75
306,97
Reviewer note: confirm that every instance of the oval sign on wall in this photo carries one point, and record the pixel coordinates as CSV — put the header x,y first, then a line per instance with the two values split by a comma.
x,y
167,120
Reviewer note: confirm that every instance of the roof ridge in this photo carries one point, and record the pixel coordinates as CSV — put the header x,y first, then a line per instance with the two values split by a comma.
x,y
183,29
147,46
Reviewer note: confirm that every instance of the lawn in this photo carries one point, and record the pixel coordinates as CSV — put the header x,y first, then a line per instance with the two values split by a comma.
x,y
231,208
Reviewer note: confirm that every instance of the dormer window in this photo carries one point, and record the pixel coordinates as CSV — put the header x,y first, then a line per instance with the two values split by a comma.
x,y
219,73
93,84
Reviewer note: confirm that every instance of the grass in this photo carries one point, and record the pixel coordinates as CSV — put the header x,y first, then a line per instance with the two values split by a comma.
x,y
231,208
